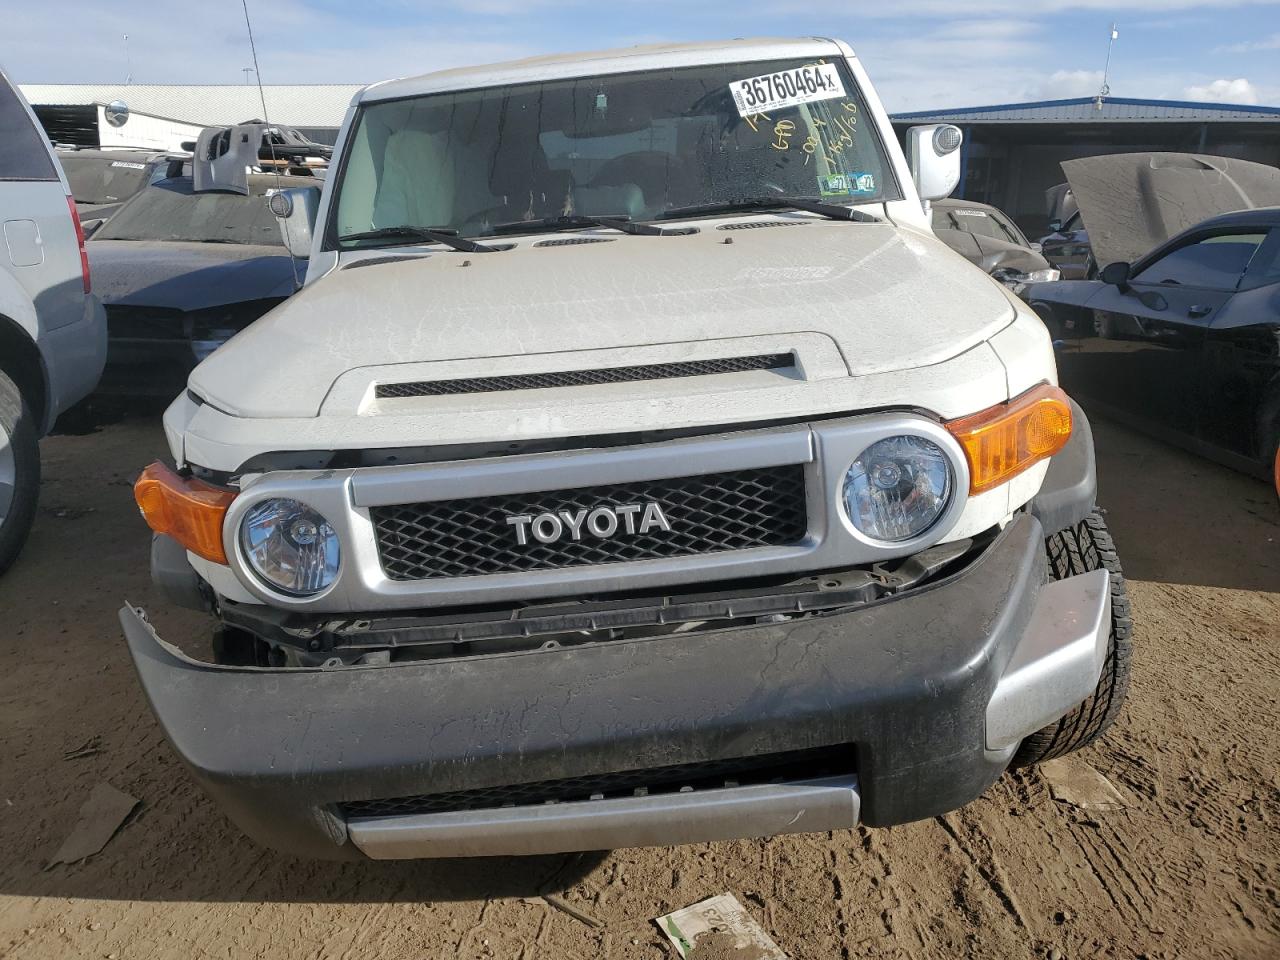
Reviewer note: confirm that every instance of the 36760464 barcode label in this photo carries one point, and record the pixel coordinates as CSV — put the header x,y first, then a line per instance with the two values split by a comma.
x,y
787,88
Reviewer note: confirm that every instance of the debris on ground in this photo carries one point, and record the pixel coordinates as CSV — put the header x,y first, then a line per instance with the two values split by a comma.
x,y
1072,780
100,817
89,748
718,928
565,906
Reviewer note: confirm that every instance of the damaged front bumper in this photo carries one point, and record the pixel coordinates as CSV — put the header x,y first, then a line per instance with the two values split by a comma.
x,y
894,711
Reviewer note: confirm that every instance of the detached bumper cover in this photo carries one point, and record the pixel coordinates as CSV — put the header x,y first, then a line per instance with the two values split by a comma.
x,y
930,691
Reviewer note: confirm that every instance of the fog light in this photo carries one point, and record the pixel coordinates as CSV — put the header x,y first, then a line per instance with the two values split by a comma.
x,y
898,488
291,547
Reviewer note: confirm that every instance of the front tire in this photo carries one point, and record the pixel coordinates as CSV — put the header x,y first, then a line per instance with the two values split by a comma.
x,y
19,470
1079,549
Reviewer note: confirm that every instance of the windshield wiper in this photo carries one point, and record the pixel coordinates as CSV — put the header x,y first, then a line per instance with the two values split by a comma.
x,y
449,238
577,221
832,211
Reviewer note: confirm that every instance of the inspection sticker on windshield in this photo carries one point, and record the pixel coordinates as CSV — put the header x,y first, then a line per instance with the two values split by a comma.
x,y
128,164
775,91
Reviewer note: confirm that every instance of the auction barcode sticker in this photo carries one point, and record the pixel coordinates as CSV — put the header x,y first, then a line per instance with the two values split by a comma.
x,y
775,91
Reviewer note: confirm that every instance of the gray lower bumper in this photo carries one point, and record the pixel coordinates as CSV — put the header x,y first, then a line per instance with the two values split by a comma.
x,y
1054,667
930,693
765,810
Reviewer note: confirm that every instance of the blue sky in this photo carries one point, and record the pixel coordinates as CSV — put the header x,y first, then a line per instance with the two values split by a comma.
x,y
920,53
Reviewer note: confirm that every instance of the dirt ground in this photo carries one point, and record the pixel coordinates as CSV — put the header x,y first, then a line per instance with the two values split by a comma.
x,y
1189,869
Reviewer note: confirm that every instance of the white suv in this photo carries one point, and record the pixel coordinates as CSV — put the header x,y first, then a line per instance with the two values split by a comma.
x,y
53,332
634,467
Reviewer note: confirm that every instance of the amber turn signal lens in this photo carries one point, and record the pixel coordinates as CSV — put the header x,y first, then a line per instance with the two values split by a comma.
x,y
1007,439
188,510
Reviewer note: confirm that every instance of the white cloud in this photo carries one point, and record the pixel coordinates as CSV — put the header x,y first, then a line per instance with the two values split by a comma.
x,y
1224,91
1252,46
1067,84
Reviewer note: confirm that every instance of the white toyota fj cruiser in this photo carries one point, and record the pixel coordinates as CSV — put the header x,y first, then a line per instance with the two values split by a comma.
x,y
634,467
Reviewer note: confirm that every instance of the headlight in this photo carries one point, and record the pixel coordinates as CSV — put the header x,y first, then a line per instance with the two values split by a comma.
x,y
290,546
898,488
1043,276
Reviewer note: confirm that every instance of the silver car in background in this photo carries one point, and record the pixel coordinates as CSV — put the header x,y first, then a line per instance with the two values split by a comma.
x,y
53,333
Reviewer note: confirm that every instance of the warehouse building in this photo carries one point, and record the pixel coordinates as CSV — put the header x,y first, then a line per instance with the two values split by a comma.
x,y
1012,152
73,113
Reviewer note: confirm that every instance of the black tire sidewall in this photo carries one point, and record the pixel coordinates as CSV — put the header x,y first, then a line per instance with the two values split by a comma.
x,y
19,423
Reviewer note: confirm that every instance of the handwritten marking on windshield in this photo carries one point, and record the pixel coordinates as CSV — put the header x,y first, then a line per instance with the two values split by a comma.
x,y
783,131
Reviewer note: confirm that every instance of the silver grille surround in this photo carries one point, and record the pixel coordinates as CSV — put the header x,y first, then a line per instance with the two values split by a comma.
x,y
824,450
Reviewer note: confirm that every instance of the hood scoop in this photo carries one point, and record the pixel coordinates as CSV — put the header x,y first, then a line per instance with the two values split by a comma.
x,y
584,378
395,258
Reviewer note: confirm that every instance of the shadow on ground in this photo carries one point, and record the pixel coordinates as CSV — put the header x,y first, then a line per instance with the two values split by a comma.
x,y
1178,518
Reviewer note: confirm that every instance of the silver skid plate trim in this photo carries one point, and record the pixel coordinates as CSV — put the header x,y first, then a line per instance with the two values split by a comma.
x,y
829,803
1057,662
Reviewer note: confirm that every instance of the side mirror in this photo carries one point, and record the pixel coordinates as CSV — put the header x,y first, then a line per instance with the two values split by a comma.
x,y
1037,247
90,227
296,209
1116,274
933,153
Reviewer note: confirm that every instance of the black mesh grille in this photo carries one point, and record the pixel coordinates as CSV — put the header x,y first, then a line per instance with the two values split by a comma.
x,y
708,775
583,378
709,514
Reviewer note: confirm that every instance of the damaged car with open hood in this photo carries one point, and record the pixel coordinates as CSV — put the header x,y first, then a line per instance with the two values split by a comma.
x,y
634,467
1180,334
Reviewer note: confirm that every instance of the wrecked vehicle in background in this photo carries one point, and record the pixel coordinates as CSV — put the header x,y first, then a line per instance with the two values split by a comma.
x,y
181,272
1180,333
636,467
1066,246
988,239
102,180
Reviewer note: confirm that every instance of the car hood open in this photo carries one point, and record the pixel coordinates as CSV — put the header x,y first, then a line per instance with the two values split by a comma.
x,y
1133,202
887,298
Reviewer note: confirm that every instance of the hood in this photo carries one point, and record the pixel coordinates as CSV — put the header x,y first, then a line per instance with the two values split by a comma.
x,y
187,276
96,211
1060,202
889,298
1133,202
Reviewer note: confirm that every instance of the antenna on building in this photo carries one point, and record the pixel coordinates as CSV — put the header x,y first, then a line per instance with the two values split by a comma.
x,y
1106,71
246,71
128,62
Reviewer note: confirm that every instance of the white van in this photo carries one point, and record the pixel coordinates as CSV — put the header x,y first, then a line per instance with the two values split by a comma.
x,y
53,332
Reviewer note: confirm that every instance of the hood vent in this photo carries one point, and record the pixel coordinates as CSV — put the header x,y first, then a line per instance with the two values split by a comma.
x,y
583,378
372,261
572,241
757,224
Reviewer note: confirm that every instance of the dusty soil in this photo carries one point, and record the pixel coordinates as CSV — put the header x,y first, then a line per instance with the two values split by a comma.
x,y
1189,869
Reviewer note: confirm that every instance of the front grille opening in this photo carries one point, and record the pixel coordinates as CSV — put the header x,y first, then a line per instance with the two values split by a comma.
x,y
584,378
706,775
763,507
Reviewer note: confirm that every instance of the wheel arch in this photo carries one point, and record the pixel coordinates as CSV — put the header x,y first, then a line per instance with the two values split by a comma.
x,y
20,358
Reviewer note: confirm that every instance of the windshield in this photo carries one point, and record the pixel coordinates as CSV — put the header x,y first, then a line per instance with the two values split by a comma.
x,y
168,210
630,145
979,222
98,180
